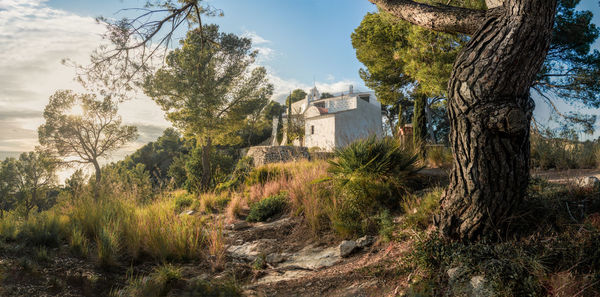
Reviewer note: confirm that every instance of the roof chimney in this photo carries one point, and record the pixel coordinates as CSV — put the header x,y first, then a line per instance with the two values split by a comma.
x,y
351,89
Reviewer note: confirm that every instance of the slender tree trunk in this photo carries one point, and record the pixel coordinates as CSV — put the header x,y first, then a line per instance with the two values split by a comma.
x,y
420,125
490,113
206,170
98,176
429,117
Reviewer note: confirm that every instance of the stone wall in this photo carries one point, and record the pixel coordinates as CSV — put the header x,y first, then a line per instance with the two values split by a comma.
x,y
272,154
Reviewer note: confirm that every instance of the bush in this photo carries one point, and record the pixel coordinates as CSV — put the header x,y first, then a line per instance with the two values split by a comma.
x,y
158,283
266,173
420,209
45,229
214,203
380,169
369,176
183,200
238,177
439,156
267,208
205,288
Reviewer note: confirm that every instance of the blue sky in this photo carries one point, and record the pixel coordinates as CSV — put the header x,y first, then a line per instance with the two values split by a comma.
x,y
302,40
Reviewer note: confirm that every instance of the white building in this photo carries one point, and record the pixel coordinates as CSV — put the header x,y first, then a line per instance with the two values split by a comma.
x,y
335,122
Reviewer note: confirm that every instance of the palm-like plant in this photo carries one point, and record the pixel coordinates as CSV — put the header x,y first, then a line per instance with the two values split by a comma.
x,y
382,168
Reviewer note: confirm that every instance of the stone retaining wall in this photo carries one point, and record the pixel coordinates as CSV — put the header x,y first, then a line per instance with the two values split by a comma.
x,y
272,154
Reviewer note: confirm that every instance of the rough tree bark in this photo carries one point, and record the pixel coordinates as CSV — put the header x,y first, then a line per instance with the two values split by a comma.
x,y
489,107
420,125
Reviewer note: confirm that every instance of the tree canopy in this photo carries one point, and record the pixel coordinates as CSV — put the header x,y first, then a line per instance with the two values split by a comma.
x,y
83,129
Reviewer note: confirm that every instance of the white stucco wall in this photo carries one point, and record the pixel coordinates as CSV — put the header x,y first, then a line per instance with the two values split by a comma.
x,y
324,136
358,123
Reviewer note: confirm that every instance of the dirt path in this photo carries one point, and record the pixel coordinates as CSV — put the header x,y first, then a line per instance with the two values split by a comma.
x,y
556,176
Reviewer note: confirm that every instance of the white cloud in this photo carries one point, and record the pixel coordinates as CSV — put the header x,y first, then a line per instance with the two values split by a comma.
x,y
34,38
256,39
330,77
282,86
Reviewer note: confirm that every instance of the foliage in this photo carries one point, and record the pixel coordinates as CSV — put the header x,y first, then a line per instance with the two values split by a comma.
x,y
83,128
213,203
439,156
550,253
550,151
382,169
208,89
420,209
263,174
158,283
268,207
8,185
43,230
223,163
238,177
158,156
35,174
370,175
295,96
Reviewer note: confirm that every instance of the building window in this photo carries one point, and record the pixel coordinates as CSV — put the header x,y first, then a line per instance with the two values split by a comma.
x,y
365,97
320,104
312,130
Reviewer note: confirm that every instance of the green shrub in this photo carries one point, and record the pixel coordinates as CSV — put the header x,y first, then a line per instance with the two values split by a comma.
x,y
206,288
41,230
238,177
158,283
183,201
268,207
419,209
380,169
214,202
263,174
78,243
369,176
107,246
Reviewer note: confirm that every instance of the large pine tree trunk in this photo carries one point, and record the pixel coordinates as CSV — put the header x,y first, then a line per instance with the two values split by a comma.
x,y
490,113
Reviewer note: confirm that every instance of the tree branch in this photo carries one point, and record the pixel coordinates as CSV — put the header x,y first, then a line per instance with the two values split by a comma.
x,y
441,18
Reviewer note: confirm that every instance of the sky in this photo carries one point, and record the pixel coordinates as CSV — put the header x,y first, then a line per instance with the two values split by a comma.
x,y
301,43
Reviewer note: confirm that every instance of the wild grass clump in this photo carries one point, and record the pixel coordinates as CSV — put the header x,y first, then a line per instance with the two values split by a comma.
x,y
126,229
439,157
78,243
158,283
369,175
563,152
183,200
268,207
420,209
9,226
45,229
213,203
263,174
207,288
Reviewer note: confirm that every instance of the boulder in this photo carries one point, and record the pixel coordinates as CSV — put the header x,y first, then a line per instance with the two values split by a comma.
x,y
365,241
238,226
249,251
480,287
347,247
589,182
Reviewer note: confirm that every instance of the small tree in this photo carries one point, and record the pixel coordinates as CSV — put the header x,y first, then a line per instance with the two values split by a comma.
x,y
209,87
8,184
83,129
35,174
